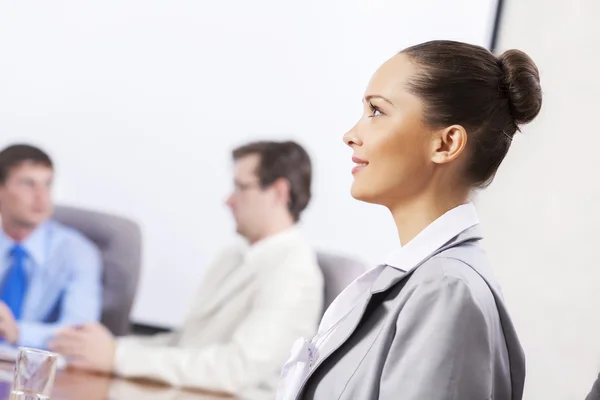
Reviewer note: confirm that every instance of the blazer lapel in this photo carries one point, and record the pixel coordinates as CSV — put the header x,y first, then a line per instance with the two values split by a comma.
x,y
340,333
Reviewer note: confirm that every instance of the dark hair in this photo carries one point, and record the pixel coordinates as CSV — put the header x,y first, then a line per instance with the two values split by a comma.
x,y
287,160
489,96
17,154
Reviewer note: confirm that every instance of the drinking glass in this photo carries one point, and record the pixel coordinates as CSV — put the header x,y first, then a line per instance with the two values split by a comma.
x,y
35,371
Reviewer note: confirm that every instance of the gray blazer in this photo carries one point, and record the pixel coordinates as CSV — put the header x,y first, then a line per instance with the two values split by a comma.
x,y
440,331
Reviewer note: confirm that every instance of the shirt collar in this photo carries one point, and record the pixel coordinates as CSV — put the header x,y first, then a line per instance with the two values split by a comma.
x,y
34,244
433,237
271,242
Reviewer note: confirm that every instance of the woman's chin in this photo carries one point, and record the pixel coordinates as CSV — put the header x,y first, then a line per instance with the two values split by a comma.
x,y
361,193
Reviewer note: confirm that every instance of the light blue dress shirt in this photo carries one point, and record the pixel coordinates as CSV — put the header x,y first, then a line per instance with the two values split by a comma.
x,y
64,281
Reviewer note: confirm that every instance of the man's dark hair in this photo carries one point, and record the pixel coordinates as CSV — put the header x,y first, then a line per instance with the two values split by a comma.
x,y
287,160
17,154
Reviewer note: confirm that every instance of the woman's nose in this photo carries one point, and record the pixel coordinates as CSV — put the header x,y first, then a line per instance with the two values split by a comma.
x,y
351,137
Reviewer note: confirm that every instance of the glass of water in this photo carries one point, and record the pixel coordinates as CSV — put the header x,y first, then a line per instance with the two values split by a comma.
x,y
35,371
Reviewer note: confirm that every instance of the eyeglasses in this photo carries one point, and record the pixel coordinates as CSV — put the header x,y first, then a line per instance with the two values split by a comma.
x,y
240,187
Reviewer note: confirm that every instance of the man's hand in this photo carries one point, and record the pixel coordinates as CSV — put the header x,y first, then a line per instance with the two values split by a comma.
x,y
9,330
90,347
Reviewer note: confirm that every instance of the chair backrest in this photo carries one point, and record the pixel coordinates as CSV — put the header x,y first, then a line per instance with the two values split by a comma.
x,y
120,242
338,272
595,393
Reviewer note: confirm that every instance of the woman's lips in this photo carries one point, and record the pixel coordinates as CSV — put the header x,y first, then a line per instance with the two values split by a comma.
x,y
359,164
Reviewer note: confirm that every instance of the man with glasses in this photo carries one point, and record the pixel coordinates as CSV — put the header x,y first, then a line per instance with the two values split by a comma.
x,y
255,300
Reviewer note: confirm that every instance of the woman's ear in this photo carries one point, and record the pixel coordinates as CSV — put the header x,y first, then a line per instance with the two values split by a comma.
x,y
448,144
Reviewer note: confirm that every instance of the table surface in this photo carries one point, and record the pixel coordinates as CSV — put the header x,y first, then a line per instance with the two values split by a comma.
x,y
76,385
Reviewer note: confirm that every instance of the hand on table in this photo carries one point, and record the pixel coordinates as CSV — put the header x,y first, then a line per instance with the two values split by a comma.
x,y
90,347
9,330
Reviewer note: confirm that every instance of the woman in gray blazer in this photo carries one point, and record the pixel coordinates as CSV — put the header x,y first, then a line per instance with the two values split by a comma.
x,y
430,322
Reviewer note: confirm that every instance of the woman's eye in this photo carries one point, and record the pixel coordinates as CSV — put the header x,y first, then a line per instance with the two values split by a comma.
x,y
375,111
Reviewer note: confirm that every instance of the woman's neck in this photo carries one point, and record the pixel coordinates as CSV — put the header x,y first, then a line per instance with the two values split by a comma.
x,y
411,217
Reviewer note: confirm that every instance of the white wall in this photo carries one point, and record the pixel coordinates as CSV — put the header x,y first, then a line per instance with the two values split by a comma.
x,y
141,101
541,214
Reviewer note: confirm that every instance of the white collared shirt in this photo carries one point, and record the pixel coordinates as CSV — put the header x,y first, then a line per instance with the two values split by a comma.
x,y
434,236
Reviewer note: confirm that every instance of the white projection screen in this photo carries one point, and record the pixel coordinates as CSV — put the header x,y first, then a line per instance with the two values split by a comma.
x,y
140,102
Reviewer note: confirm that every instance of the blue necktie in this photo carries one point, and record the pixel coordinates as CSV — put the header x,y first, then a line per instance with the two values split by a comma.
x,y
14,284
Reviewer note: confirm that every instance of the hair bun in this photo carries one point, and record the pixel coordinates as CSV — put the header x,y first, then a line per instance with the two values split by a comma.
x,y
522,82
